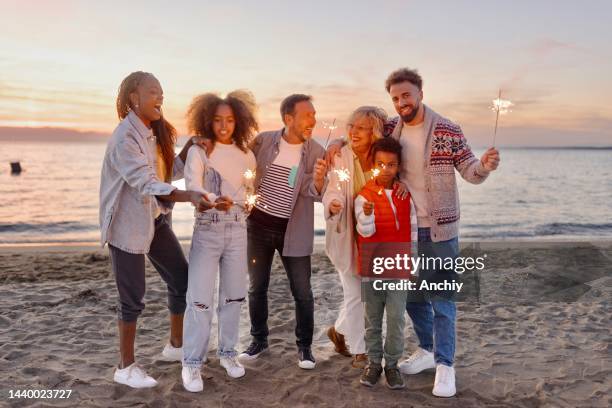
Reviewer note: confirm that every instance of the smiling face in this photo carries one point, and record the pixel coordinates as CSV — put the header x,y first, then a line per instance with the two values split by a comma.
x,y
147,100
302,122
223,124
361,134
388,165
406,99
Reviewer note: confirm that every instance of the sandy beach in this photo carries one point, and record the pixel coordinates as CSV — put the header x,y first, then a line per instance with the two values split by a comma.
x,y
533,330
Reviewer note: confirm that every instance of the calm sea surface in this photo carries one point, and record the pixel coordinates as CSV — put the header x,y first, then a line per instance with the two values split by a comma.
x,y
535,194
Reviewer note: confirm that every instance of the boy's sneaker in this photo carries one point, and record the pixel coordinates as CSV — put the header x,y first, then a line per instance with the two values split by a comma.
x,y
371,374
305,359
419,360
134,376
192,379
171,353
233,368
253,351
394,378
444,384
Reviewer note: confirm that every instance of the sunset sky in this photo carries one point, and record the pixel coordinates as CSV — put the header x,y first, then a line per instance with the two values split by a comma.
x,y
62,61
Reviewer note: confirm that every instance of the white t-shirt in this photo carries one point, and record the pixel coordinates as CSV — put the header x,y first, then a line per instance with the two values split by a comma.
x,y
229,162
413,141
276,189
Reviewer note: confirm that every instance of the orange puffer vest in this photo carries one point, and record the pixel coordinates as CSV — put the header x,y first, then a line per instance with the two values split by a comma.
x,y
386,228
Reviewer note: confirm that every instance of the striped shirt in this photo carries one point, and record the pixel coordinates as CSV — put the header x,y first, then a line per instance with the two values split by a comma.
x,y
276,189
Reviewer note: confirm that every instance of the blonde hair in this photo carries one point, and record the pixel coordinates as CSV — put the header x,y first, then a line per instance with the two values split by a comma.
x,y
377,116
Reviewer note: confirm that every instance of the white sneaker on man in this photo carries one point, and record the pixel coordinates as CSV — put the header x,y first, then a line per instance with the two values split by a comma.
x,y
444,384
134,376
233,368
419,360
192,379
171,353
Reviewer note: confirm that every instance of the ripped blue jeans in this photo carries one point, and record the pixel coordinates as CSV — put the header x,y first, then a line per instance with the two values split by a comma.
x,y
218,246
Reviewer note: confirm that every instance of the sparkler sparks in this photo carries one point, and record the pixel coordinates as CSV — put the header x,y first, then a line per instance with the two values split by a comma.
x,y
249,174
500,106
251,200
331,128
343,174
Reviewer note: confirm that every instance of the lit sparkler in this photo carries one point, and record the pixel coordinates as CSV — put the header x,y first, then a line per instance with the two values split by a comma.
x,y
500,106
344,175
251,200
331,128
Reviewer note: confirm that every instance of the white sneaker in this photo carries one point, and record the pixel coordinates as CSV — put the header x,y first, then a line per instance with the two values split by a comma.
x,y
419,360
134,376
444,384
232,366
192,379
171,353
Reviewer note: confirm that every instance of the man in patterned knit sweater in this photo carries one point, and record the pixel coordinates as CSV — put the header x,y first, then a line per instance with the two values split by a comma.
x,y
432,148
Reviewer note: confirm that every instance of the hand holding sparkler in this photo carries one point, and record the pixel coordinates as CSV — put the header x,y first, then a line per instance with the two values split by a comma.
x,y
368,208
335,207
490,159
223,203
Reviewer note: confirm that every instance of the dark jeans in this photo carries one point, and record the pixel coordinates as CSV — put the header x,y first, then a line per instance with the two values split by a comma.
x,y
262,243
167,257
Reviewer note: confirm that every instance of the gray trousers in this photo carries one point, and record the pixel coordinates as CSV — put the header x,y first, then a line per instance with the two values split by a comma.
x,y
377,302
167,257
218,247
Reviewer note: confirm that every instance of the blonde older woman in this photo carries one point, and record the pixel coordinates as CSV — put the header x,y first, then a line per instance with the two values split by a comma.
x,y
365,125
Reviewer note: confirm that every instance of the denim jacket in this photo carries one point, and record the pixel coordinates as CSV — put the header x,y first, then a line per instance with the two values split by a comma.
x,y
128,186
299,235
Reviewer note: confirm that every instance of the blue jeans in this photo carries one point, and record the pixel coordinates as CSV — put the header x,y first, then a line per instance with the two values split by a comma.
x,y
218,248
433,316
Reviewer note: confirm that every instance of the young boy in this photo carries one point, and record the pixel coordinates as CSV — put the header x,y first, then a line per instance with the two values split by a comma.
x,y
383,227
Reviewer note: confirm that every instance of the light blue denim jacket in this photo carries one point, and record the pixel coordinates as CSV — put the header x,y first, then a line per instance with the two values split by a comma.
x,y
299,235
128,186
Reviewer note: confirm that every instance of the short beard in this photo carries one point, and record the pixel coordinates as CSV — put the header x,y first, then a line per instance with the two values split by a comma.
x,y
410,118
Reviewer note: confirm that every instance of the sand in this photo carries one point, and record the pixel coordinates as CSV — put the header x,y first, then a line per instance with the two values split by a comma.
x,y
536,333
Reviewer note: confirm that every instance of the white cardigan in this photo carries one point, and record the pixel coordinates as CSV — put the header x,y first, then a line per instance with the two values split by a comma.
x,y
340,244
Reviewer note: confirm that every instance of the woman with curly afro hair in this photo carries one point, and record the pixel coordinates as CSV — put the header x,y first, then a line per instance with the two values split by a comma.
x,y
219,243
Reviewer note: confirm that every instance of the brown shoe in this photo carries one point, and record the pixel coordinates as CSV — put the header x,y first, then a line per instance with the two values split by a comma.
x,y
338,340
360,360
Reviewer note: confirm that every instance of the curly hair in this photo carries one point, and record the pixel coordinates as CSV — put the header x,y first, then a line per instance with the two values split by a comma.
x,y
201,114
164,132
387,145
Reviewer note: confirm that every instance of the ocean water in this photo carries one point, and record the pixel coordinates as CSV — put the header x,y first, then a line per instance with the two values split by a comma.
x,y
550,193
